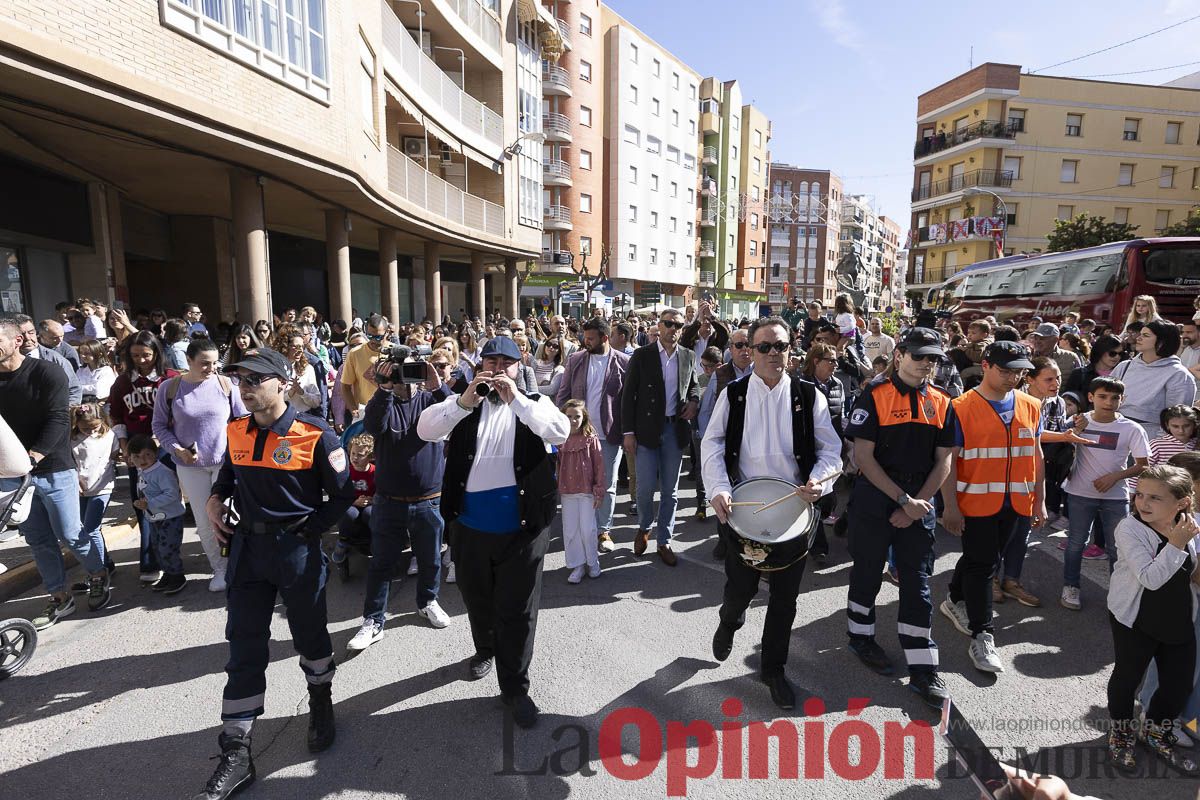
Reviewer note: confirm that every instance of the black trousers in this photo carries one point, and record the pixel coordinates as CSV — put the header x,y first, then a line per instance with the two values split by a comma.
x,y
741,585
500,579
1134,651
982,540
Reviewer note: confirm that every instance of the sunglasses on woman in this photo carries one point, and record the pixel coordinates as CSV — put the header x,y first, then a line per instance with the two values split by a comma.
x,y
551,346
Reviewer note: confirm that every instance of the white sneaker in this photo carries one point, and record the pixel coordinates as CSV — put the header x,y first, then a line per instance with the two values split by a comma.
x,y
576,575
593,571
450,576
413,567
1070,598
370,633
983,653
957,613
433,612
217,584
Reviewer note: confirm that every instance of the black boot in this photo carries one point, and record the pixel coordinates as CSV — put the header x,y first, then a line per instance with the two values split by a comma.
x,y
321,730
234,772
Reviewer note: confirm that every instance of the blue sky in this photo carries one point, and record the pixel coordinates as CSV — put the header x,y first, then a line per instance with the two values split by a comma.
x,y
847,100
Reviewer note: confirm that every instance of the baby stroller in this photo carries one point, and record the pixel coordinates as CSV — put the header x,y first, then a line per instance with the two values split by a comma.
x,y
18,637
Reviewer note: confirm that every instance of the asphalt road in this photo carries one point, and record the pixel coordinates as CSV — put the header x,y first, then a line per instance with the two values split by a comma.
x,y
124,703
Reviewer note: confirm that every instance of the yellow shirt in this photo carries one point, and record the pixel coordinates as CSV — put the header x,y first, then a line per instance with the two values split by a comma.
x,y
358,372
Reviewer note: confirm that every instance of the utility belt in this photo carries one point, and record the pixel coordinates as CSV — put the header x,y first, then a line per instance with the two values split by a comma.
x,y
398,499
294,526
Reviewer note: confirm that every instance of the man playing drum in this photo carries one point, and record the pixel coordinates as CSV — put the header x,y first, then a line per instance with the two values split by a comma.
x,y
791,438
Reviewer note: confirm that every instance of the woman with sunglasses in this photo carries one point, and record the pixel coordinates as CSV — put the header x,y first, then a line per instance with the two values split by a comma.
x,y
1107,352
548,366
263,330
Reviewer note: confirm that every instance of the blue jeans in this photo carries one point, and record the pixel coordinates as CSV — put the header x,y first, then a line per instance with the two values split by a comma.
x,y
1085,511
91,514
612,462
395,525
147,555
655,466
54,518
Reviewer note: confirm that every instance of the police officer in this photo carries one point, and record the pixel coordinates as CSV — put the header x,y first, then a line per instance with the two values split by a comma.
x,y
287,474
903,431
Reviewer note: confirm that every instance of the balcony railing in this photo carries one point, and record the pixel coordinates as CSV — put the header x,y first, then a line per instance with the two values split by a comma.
x,y
984,129
564,30
708,218
708,248
556,76
557,214
710,155
960,230
556,123
556,168
708,278
410,180
475,14
425,77
978,177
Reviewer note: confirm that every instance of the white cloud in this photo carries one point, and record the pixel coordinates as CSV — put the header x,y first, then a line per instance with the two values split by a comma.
x,y
833,18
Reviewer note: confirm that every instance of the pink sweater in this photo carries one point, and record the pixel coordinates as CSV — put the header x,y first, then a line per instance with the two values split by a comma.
x,y
581,466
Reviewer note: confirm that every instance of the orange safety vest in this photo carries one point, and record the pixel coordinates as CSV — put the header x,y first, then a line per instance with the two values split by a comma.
x,y
995,459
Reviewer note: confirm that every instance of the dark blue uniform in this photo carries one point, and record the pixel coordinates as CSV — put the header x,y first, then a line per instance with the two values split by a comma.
x,y
290,483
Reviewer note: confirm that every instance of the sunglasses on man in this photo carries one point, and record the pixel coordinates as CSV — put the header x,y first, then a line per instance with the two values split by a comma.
x,y
251,379
778,347
673,325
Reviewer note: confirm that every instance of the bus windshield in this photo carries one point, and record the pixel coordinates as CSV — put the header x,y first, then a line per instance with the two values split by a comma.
x,y
1179,266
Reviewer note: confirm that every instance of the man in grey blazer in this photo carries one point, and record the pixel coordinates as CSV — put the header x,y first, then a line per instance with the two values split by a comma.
x,y
661,397
596,375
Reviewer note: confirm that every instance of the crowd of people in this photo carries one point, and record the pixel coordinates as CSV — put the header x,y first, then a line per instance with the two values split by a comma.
x,y
294,426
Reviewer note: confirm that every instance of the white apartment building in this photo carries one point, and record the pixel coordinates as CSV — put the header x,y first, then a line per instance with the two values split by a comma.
x,y
651,101
861,234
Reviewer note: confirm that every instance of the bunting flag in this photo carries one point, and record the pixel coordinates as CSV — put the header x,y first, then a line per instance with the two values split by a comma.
x,y
911,240
937,233
960,229
983,226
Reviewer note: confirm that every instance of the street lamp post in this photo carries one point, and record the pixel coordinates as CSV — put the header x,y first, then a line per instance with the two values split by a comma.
x,y
975,191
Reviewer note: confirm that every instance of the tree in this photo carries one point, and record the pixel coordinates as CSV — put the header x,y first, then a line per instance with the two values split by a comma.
x,y
1087,231
1188,227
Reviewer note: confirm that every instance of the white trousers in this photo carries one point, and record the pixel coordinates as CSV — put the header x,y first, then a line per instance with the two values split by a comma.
x,y
196,483
579,530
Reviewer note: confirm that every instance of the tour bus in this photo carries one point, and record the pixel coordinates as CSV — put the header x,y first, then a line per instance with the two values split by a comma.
x,y
1098,283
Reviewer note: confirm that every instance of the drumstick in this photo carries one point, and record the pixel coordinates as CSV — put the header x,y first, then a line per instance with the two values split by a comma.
x,y
748,503
774,503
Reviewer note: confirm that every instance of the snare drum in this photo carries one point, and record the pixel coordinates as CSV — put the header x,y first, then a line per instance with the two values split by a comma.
x,y
777,537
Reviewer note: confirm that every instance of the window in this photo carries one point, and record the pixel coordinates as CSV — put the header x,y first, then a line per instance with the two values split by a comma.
x,y
585,25
673,154
961,123
1130,133
1068,171
653,255
754,222
757,138
735,122
657,68
689,161
674,224
689,262
691,124
1166,178
709,106
754,193
585,204
633,135
1196,177
674,189
1125,175
1066,212
753,247
653,145
733,151
671,259
633,176
1173,129
655,107
691,226
691,91
1162,219
633,52
292,30
585,159
585,71
731,242
585,245
1074,124
1121,216
653,219
633,213
633,94
1013,209
757,166
366,60
691,195
1016,120
654,183
675,80
633,252
585,116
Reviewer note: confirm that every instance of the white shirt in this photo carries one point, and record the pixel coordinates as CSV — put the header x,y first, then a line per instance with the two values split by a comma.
x,y
492,466
766,447
1113,444
670,368
98,382
597,367
878,345
699,348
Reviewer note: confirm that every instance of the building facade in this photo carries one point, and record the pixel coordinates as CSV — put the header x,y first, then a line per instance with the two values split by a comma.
x,y
651,106
752,224
1000,155
349,154
804,217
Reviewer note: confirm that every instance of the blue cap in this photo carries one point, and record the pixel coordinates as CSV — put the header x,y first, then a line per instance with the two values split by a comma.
x,y
1010,355
501,346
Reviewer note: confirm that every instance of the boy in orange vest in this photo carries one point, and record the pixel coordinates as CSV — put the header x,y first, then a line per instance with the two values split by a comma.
x,y
996,485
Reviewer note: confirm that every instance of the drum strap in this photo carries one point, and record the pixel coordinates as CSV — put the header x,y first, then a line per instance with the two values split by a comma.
x,y
804,444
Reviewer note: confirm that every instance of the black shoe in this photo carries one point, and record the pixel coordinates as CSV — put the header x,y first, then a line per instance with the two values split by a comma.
x,y
871,654
321,730
235,771
722,643
930,686
782,693
718,553
479,666
170,584
524,711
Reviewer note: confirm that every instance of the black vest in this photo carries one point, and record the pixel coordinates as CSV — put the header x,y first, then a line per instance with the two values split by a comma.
x,y
537,488
804,440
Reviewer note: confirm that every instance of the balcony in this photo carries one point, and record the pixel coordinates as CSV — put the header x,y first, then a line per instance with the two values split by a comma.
x,y
556,127
708,218
708,248
556,172
956,183
411,181
556,218
709,156
710,122
708,279
556,81
708,186
971,228
564,30
434,90
476,17
556,260
984,129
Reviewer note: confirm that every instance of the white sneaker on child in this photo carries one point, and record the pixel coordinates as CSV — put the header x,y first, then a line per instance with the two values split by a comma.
x,y
576,575
450,576
217,584
593,571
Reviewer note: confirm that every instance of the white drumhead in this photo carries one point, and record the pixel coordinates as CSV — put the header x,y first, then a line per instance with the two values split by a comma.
x,y
781,523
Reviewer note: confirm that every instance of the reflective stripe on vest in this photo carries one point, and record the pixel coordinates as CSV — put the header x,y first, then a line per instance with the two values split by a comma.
x,y
997,452
1025,487
997,459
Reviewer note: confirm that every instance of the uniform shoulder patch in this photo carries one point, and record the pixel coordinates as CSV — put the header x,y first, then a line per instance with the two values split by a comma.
x,y
859,416
282,454
337,459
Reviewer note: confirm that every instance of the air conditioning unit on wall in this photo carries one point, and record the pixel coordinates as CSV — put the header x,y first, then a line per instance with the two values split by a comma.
x,y
414,147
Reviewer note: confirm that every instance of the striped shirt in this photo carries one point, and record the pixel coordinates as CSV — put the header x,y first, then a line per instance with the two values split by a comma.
x,y
1163,447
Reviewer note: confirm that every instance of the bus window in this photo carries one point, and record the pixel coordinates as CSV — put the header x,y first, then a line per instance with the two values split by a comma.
x,y
976,285
1093,275
1045,280
1008,284
1178,266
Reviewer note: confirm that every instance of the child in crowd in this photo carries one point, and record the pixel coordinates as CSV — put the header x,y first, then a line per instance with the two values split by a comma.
x,y
1179,422
356,524
94,446
1074,404
161,501
844,307
581,485
1151,600
1097,491
879,365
